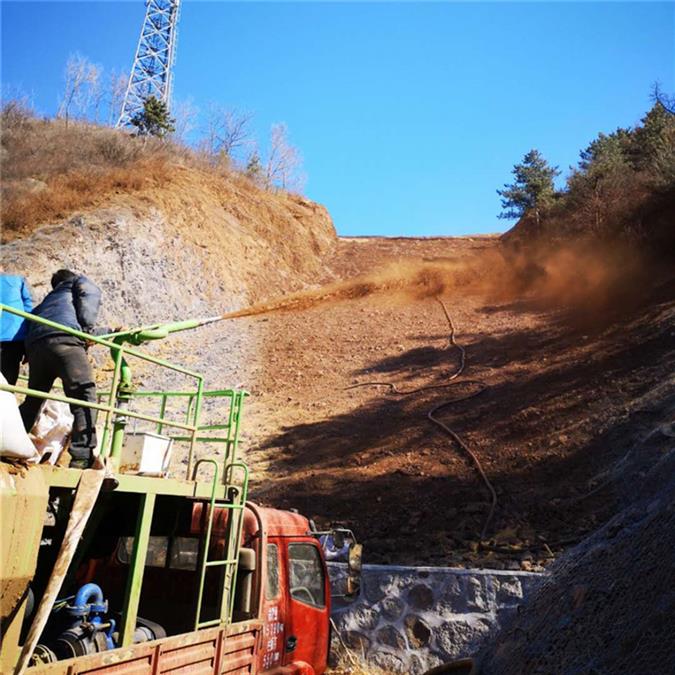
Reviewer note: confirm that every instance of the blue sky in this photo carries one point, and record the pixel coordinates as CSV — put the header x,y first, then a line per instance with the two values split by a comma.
x,y
408,115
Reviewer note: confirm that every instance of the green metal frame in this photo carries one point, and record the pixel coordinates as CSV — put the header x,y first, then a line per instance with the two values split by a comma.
x,y
230,494
235,502
137,568
231,427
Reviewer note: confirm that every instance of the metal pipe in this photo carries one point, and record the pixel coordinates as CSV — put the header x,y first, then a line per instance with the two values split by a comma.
x,y
107,429
204,557
136,569
99,340
96,406
162,411
197,411
207,394
84,596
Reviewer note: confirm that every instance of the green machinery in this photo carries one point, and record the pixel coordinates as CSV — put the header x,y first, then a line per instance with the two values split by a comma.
x,y
121,402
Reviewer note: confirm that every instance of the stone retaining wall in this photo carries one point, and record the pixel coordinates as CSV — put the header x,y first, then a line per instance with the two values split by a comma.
x,y
409,619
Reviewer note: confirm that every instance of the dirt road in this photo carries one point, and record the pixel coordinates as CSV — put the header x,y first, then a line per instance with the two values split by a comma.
x,y
562,403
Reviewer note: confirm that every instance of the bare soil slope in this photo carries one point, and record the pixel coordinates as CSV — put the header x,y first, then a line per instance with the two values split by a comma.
x,y
566,396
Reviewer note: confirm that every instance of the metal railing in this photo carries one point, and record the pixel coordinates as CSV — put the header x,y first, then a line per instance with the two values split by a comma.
x,y
114,404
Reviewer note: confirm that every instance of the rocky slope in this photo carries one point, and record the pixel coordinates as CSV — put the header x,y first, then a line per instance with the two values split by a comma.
x,y
198,245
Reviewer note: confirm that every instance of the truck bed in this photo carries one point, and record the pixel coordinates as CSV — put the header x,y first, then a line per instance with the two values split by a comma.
x,y
214,651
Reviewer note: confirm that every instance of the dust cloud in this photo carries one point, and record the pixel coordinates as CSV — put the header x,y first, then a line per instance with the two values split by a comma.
x,y
571,275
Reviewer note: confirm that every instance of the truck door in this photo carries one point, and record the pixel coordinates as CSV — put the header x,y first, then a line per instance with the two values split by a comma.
x,y
274,607
307,619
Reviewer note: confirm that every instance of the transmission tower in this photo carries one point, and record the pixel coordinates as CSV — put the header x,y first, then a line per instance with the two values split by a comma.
x,y
151,72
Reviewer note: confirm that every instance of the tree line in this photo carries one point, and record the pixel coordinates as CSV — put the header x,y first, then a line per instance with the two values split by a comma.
x,y
224,136
613,171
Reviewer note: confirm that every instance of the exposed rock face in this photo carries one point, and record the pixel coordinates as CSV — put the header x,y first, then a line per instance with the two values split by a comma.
x,y
195,248
409,619
183,251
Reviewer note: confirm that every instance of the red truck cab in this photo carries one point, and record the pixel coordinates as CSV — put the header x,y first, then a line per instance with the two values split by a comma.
x,y
295,595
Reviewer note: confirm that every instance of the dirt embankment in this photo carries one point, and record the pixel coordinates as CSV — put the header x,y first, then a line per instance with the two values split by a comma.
x,y
573,374
198,243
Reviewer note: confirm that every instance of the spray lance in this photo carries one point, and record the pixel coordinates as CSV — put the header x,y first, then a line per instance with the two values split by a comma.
x,y
300,300
137,337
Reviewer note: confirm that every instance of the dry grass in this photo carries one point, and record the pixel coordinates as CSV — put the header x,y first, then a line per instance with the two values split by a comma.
x,y
25,207
353,665
50,169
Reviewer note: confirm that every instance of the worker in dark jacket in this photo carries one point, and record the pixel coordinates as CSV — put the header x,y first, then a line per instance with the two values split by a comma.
x,y
73,302
15,293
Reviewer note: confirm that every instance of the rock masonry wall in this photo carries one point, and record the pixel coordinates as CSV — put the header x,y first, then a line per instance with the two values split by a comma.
x,y
410,619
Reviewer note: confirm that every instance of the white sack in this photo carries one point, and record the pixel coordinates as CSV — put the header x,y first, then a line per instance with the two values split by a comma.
x,y
14,441
52,429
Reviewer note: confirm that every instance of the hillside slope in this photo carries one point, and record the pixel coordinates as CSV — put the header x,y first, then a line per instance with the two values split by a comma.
x,y
566,396
561,394
197,244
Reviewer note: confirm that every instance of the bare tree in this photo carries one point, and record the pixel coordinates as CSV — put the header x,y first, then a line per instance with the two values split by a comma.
x,y
185,114
227,131
82,81
659,96
284,162
16,108
97,95
117,89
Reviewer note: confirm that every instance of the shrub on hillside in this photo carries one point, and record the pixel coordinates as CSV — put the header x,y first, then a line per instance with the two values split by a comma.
x,y
620,177
51,169
154,119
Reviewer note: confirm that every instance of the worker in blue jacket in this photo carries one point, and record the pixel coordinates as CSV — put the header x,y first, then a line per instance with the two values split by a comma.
x,y
14,292
74,302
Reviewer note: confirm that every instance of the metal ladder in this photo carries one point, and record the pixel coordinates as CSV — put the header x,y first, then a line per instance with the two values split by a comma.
x,y
235,503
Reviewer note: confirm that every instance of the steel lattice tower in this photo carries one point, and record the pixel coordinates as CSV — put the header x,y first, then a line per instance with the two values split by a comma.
x,y
151,72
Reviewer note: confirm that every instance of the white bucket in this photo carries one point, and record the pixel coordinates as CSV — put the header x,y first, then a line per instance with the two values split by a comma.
x,y
145,454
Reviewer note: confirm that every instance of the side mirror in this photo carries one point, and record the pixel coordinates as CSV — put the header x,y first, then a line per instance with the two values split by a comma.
x,y
355,557
354,564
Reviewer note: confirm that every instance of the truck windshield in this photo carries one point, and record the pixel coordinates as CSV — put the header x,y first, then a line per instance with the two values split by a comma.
x,y
306,580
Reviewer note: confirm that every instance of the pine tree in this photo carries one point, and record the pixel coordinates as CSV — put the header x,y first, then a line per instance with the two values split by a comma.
x,y
604,167
532,189
654,145
254,168
154,120
606,153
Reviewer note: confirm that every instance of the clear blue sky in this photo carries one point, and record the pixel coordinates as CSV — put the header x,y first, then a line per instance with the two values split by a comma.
x,y
408,115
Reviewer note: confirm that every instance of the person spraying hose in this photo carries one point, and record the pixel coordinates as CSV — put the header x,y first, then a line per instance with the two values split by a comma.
x,y
74,302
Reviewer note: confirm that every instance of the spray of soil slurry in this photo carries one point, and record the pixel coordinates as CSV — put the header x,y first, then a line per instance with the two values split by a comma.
x,y
569,276
420,279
